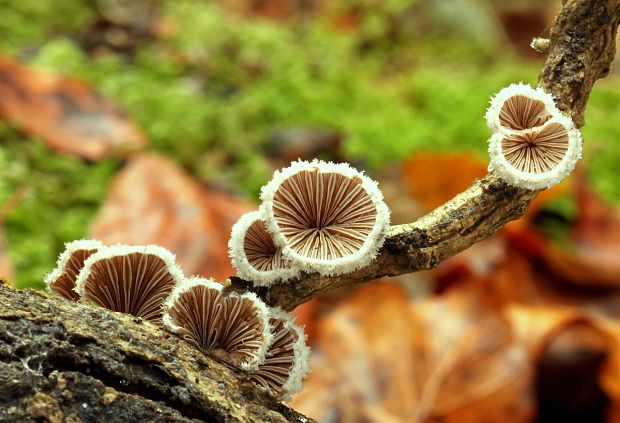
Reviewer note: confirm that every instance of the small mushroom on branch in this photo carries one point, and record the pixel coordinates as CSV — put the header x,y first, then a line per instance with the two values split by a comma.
x,y
130,279
519,107
538,157
61,280
286,361
326,217
233,327
254,254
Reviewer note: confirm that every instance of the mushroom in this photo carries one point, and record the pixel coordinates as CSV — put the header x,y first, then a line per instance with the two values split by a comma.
x,y
286,361
254,254
130,279
325,217
233,327
61,280
536,158
519,107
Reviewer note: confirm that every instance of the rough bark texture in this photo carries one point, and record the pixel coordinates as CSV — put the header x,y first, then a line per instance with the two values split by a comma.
x,y
67,362
581,49
62,361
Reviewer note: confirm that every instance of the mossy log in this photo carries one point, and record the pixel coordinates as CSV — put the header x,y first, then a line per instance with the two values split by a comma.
x,y
66,362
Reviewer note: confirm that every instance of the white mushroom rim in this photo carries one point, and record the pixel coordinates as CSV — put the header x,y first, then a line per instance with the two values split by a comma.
x,y
518,107
254,254
121,289
536,158
221,315
300,355
326,217
64,259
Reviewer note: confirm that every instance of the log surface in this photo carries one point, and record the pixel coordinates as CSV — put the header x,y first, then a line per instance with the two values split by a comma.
x,y
61,361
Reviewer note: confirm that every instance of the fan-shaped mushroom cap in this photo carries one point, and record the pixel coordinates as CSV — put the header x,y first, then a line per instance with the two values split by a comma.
x,y
254,254
536,158
326,217
286,361
61,280
234,328
519,107
130,279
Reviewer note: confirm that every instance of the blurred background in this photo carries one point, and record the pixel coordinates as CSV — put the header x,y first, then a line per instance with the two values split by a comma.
x,y
158,121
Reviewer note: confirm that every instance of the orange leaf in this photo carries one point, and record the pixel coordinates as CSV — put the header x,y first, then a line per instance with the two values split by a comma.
x,y
450,359
66,113
153,201
590,259
434,178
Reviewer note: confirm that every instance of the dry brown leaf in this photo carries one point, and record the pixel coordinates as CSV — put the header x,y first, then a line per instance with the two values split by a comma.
x,y
153,201
537,327
610,374
592,257
450,358
66,113
434,178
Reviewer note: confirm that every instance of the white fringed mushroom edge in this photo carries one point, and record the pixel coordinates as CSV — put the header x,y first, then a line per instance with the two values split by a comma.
x,y
536,181
263,314
240,262
301,355
65,256
104,253
343,265
498,100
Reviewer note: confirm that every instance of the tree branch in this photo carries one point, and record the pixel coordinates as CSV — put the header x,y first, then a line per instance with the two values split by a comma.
x,y
582,47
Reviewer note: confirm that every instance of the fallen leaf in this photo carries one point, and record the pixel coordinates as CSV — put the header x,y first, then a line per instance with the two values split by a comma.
x,y
434,178
153,201
592,257
589,257
610,374
451,359
537,327
65,112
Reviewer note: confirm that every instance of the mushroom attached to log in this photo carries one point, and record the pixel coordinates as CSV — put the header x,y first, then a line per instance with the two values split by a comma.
x,y
61,280
254,254
233,327
130,279
286,361
326,217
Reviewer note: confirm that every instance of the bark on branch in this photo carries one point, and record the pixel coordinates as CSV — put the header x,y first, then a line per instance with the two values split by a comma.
x,y
582,47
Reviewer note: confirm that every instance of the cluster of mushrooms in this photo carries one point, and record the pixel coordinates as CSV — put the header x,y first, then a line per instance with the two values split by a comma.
x,y
145,281
314,216
533,145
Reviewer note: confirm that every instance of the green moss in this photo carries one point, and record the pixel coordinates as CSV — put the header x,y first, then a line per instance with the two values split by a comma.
x,y
27,24
601,134
58,196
